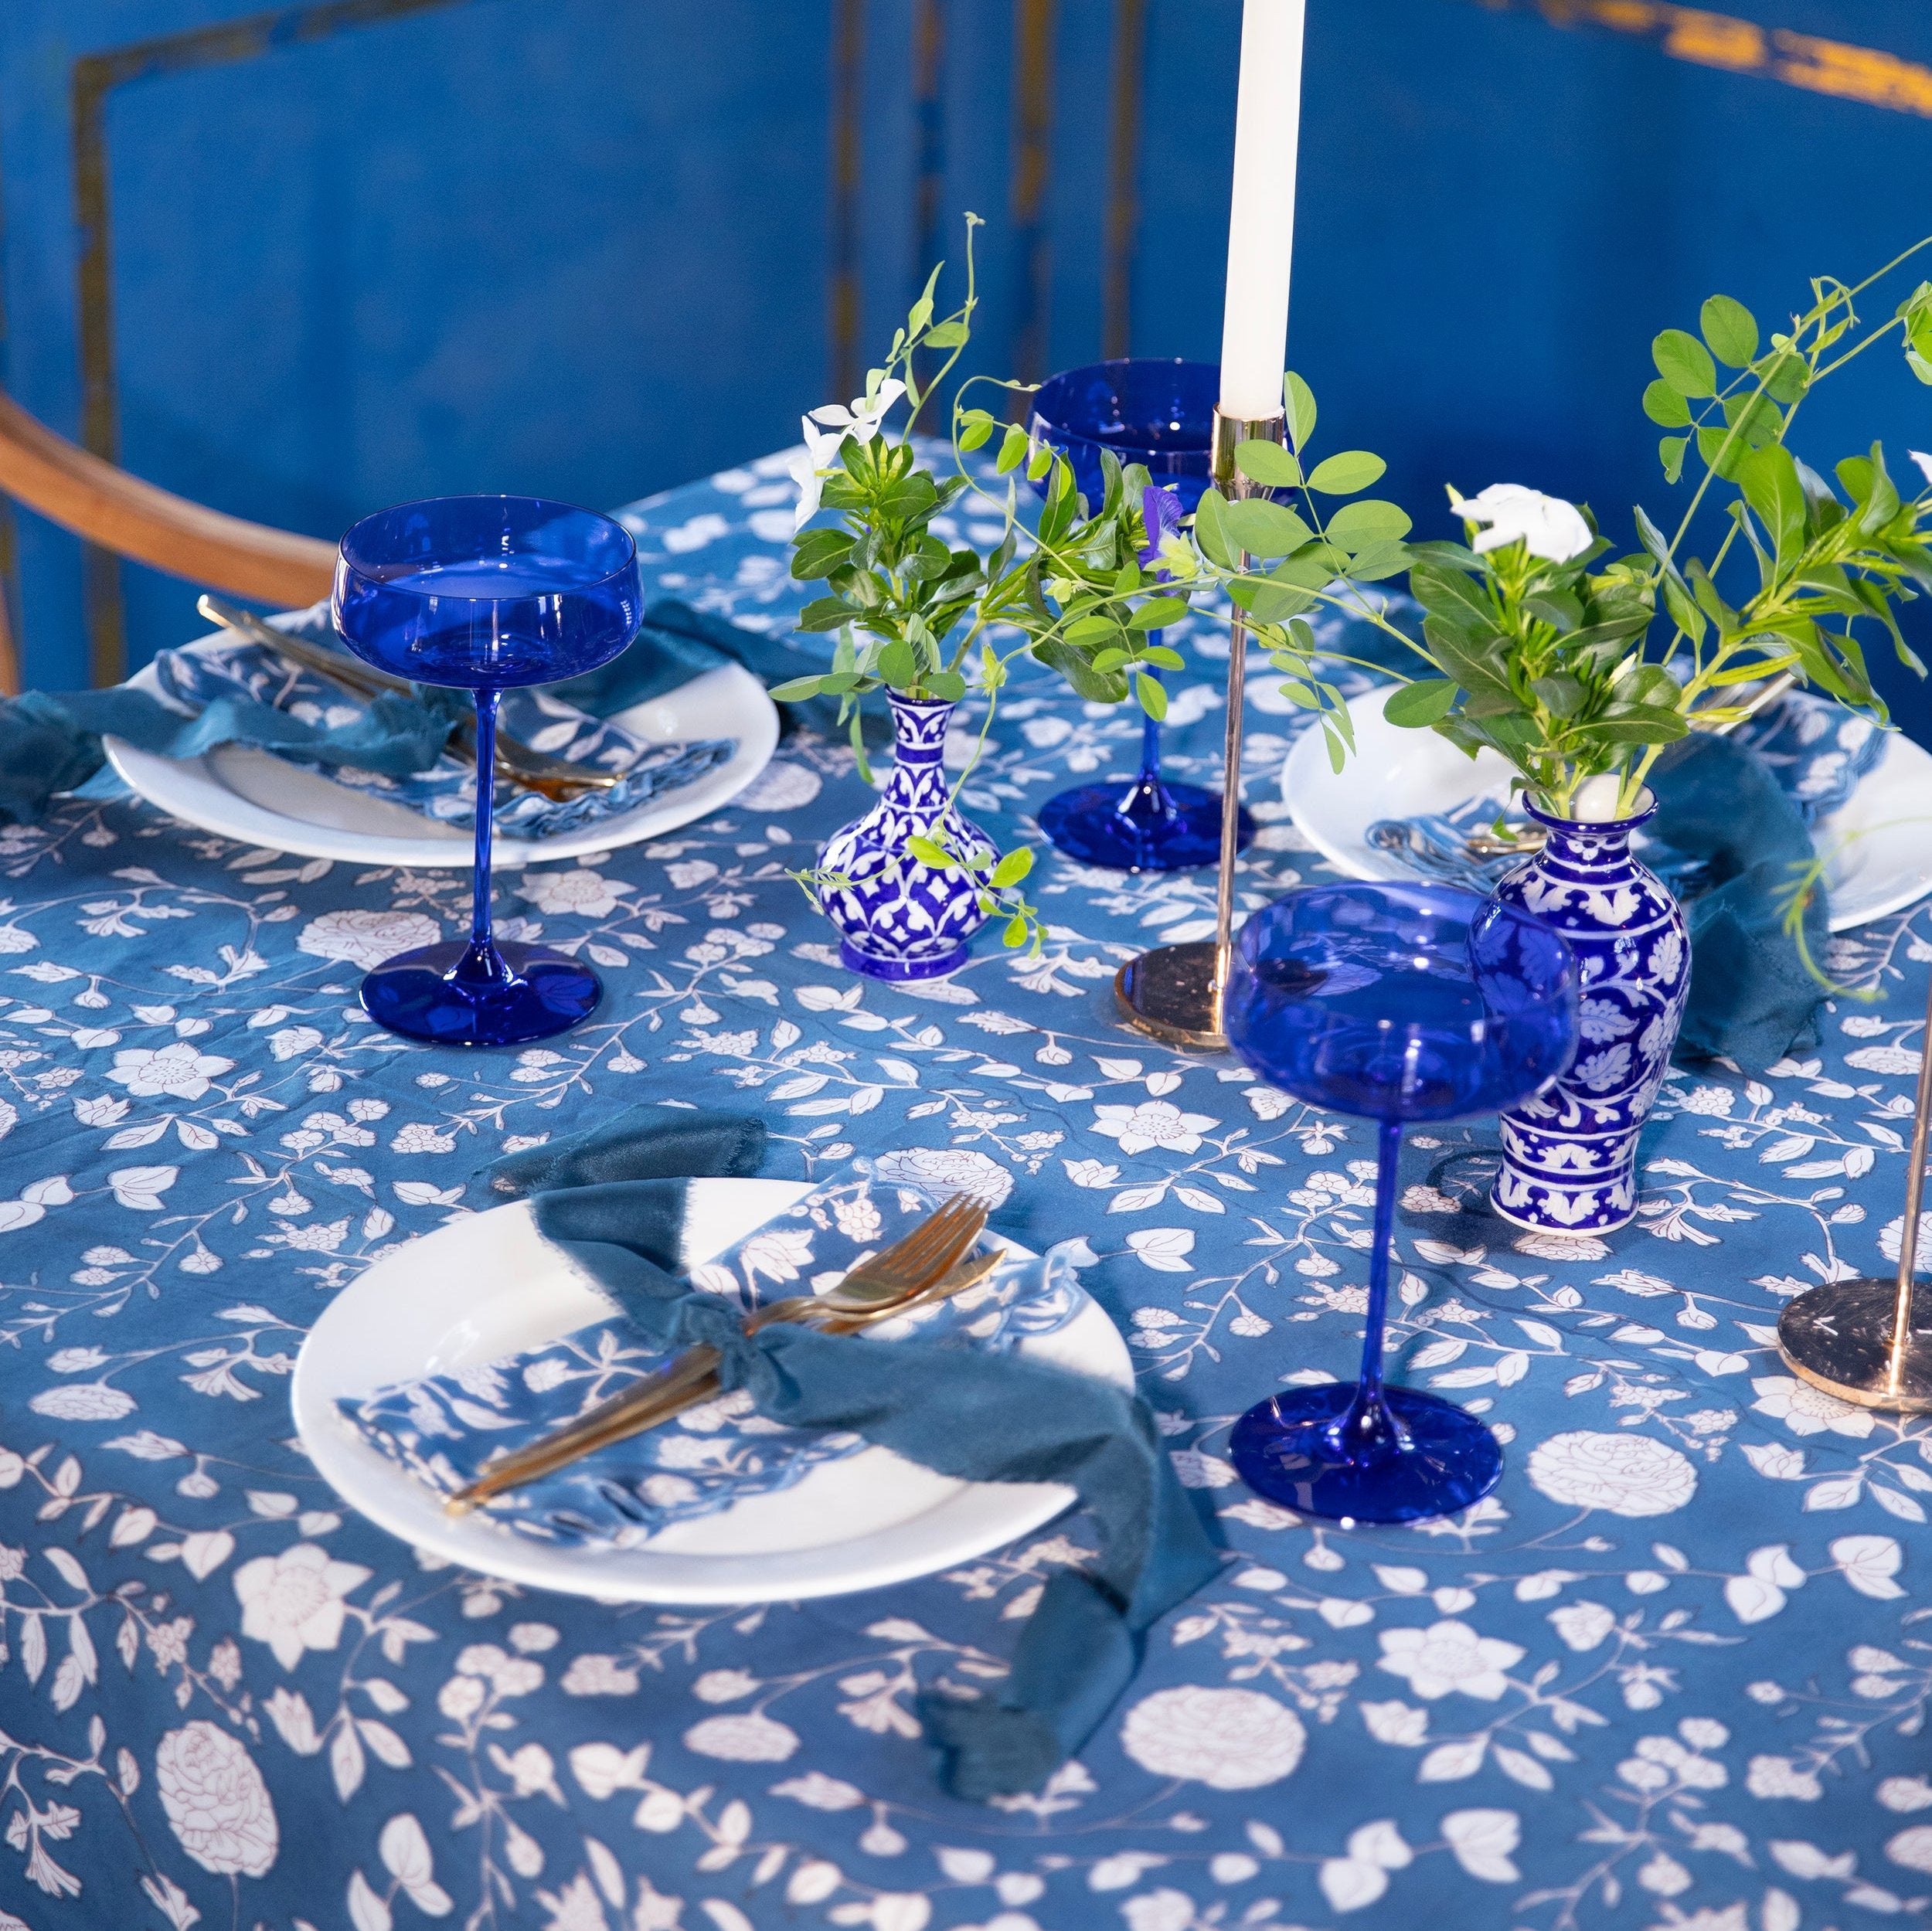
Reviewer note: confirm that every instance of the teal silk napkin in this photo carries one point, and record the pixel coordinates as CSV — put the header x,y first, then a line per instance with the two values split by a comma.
x,y
1752,1000
608,1198
50,742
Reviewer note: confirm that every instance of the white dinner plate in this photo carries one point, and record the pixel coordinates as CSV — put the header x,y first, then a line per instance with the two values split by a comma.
x,y
1878,845
489,1285
257,798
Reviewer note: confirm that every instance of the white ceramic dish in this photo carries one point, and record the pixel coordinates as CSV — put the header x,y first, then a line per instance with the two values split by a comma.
x,y
259,799
488,1285
1879,843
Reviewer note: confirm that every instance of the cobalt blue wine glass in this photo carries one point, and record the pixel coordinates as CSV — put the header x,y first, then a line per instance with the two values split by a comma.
x,y
1398,1003
1160,413
483,592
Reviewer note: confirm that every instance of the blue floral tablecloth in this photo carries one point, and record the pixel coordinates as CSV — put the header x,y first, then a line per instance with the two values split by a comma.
x,y
1673,1673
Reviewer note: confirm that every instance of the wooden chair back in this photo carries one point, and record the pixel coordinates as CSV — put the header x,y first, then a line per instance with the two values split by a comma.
x,y
105,505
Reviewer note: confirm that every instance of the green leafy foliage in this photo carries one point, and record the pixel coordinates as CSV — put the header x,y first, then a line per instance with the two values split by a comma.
x,y
1343,474
1571,668
1685,363
1730,330
1268,464
1298,398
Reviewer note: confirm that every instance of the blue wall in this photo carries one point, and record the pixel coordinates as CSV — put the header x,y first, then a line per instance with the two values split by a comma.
x,y
588,247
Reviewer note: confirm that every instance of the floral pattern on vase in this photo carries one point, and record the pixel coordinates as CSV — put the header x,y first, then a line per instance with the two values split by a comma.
x,y
898,918
1569,1157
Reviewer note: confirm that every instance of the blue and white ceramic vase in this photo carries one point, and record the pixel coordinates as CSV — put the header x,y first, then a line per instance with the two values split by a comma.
x,y
1570,1158
897,918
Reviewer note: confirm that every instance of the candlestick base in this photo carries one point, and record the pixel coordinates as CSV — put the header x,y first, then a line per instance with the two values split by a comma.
x,y
1168,993
1838,1337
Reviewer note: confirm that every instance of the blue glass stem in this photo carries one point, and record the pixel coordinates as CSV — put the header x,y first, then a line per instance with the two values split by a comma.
x,y
1368,1430
481,965
1146,803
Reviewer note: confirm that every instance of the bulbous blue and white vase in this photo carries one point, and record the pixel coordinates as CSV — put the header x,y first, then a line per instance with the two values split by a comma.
x,y
1570,1157
898,918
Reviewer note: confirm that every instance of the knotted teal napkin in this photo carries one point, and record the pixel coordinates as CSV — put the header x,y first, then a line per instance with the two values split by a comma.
x,y
1024,1422
1752,999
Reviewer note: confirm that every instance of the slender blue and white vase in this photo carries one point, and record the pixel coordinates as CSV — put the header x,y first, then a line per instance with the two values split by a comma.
x,y
1570,1157
897,918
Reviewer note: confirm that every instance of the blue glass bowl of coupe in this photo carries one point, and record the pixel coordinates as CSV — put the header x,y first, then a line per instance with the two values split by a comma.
x,y
1394,1003
482,593
1161,414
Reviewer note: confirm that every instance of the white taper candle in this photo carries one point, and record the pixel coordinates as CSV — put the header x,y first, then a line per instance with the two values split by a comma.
x,y
1254,325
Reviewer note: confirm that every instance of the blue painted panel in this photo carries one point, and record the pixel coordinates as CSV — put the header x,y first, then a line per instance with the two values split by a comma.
x,y
584,245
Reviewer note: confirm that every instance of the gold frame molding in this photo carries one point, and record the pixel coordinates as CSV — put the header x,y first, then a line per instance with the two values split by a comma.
x,y
94,77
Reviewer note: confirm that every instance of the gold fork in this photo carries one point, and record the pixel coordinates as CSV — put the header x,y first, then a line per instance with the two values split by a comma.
x,y
926,1260
517,762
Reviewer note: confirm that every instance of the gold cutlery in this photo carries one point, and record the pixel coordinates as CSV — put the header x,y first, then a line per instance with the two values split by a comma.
x,y
516,762
931,1264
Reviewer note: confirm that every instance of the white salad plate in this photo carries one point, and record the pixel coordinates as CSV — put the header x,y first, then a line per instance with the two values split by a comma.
x,y
257,798
489,1285
1877,846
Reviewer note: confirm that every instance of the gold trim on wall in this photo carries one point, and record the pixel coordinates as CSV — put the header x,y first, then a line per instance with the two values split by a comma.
x,y
1867,75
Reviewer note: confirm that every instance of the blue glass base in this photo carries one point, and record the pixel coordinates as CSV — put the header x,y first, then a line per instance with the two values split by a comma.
x,y
899,970
453,995
1442,1459
1147,826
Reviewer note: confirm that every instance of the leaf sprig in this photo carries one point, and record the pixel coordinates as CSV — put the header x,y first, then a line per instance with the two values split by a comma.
x,y
1548,662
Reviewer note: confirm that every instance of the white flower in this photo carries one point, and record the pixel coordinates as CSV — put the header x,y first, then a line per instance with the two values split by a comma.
x,y
418,1136
177,1070
1924,461
782,786
217,1805
1779,1777
1912,1848
1583,1625
1154,1122
1166,1909
1715,1102
807,469
1449,1656
859,1219
750,1739
365,939
1228,1739
87,1400
293,1602
1547,526
576,1907
1806,1410
585,892
865,414
947,1170
819,1792
509,1675
1627,1474
599,1676
723,1686
460,1698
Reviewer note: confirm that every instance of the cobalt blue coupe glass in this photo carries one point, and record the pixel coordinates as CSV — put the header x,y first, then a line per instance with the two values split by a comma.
x,y
1397,1003
483,593
1161,413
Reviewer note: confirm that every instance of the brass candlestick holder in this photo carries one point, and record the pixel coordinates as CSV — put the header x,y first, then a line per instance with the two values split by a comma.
x,y
1175,992
1855,1339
